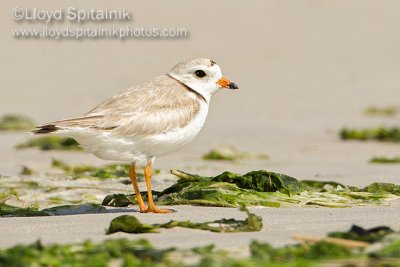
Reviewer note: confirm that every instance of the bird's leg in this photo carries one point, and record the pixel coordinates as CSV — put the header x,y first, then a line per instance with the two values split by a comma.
x,y
132,175
152,208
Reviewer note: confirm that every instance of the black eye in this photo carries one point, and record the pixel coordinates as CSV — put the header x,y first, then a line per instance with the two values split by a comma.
x,y
200,73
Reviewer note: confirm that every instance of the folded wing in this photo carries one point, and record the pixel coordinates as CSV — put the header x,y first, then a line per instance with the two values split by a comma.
x,y
154,107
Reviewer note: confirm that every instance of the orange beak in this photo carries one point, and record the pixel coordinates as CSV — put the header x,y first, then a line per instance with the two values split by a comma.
x,y
226,83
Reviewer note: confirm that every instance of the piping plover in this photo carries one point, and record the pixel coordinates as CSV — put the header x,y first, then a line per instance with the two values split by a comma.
x,y
148,120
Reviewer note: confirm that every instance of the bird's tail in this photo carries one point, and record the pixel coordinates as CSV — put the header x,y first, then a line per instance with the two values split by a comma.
x,y
45,129
86,121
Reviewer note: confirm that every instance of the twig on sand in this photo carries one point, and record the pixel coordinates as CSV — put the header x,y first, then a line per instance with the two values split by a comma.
x,y
182,175
351,244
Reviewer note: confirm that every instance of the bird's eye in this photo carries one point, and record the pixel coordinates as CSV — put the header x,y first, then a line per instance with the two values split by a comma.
x,y
200,73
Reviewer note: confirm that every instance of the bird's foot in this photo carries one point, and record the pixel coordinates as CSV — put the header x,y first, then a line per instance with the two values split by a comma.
x,y
157,210
142,209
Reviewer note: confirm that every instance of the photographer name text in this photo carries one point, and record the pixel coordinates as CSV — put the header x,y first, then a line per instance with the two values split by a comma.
x,y
72,14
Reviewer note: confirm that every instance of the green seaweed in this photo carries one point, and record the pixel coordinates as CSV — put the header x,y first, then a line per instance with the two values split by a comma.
x,y
392,250
130,224
8,210
60,165
379,134
385,160
266,181
16,123
30,184
124,252
388,111
320,186
129,252
56,200
318,251
103,172
51,143
6,193
383,188
358,233
26,171
260,181
261,188
74,209
223,190
88,171
118,200
252,223
229,153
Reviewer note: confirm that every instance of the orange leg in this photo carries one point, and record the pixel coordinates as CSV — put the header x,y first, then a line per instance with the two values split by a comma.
x,y
152,208
132,175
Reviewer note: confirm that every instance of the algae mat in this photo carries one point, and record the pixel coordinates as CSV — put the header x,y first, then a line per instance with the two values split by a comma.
x,y
123,252
262,188
28,196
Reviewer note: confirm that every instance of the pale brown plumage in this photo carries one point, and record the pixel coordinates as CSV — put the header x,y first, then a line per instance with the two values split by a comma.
x,y
139,111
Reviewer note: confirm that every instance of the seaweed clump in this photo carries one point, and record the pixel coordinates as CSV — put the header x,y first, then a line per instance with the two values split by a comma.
x,y
385,160
358,233
51,143
119,200
141,253
16,123
26,171
89,171
128,252
388,252
130,224
261,188
230,189
107,171
383,188
388,111
229,153
379,134
75,209
9,210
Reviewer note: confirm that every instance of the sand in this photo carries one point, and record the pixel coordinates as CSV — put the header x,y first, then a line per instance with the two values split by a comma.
x,y
280,225
305,70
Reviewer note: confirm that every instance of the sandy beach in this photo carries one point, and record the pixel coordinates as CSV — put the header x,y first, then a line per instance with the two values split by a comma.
x,y
305,70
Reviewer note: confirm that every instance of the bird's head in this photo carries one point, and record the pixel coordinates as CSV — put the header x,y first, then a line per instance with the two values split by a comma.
x,y
201,75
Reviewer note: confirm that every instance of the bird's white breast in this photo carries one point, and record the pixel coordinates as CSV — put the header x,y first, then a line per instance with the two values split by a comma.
x,y
165,143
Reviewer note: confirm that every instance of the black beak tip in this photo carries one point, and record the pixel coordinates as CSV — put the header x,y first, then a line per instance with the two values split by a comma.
x,y
233,85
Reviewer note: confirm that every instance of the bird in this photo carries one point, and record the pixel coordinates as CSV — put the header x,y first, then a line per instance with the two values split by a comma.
x,y
149,120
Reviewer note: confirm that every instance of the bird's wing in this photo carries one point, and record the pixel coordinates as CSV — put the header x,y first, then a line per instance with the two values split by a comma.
x,y
157,106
